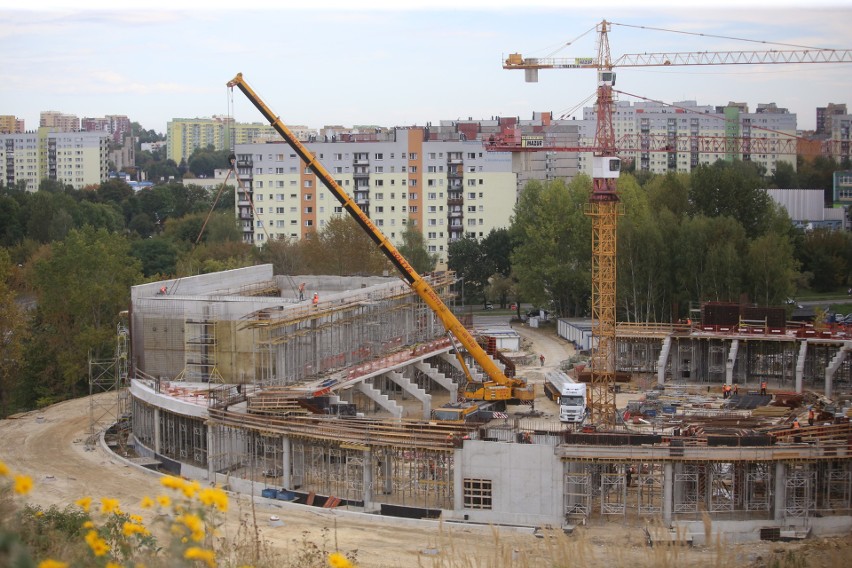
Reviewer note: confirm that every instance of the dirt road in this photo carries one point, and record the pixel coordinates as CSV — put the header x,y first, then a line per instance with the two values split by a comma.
x,y
49,446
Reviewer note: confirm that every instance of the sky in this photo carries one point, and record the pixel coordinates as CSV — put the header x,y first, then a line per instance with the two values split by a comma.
x,y
397,63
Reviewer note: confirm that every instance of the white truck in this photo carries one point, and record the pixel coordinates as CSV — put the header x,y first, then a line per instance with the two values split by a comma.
x,y
568,394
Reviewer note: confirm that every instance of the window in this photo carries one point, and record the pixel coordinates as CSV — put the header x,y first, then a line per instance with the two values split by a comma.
x,y
379,156
279,170
431,169
412,196
309,183
412,169
380,182
413,209
433,235
379,196
279,210
309,196
432,209
380,169
471,155
411,182
411,156
309,210
309,223
471,195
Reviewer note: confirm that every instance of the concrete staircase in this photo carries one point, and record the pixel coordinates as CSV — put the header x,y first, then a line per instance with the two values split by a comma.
x,y
663,360
412,389
382,400
439,378
834,365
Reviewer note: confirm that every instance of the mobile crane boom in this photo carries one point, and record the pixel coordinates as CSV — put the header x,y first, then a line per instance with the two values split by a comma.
x,y
499,386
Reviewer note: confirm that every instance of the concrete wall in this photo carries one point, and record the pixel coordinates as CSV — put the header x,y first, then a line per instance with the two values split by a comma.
x,y
526,482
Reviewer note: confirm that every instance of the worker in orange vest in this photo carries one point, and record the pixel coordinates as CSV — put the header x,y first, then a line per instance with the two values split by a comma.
x,y
763,387
316,299
811,417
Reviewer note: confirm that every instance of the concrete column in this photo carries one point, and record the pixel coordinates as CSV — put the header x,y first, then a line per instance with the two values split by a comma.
x,y
458,486
780,491
211,476
157,430
387,473
668,493
286,463
368,478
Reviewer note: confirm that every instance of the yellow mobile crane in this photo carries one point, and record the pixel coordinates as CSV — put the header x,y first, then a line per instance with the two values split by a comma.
x,y
498,387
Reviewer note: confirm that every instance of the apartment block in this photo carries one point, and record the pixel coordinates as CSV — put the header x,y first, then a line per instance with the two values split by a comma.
x,y
78,159
58,121
663,138
404,176
118,126
185,135
10,124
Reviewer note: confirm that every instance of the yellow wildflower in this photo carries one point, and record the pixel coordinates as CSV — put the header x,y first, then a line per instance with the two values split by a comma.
x,y
4,469
23,484
113,565
191,488
337,560
196,553
164,501
215,497
98,545
50,563
84,502
39,513
109,506
147,502
88,525
172,482
194,524
136,519
131,529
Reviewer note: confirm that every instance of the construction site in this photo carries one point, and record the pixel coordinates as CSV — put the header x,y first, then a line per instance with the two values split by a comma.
x,y
373,395
335,404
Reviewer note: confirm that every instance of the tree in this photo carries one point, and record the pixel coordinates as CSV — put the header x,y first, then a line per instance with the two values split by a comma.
x,y
552,245
413,249
497,251
82,285
343,248
156,255
14,331
204,161
465,258
731,189
772,269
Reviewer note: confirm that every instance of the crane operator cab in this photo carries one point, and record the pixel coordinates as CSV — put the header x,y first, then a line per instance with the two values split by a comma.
x,y
606,167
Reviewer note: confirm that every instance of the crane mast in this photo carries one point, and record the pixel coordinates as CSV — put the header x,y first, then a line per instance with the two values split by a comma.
x,y
499,386
603,208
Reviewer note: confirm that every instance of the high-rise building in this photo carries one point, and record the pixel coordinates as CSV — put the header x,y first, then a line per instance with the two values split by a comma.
x,y
58,121
78,158
117,125
9,124
824,114
448,189
663,138
185,135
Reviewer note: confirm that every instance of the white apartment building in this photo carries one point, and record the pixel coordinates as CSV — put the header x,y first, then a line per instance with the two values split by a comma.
x,y
663,138
446,188
78,159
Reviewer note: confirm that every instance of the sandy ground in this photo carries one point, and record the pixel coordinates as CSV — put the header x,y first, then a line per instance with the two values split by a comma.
x,y
49,446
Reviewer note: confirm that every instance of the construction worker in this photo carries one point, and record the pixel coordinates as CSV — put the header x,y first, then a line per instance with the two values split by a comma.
x,y
726,391
315,301
301,291
796,427
737,390
541,358
762,387
811,416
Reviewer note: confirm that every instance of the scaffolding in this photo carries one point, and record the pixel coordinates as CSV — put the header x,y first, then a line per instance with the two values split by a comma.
x,y
109,375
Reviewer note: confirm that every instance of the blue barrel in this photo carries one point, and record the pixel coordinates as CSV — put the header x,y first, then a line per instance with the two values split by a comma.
x,y
269,493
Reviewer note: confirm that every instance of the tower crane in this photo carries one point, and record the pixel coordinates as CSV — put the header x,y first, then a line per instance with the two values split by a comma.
x,y
603,206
